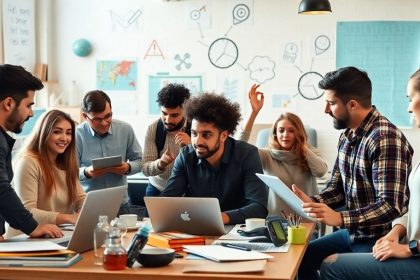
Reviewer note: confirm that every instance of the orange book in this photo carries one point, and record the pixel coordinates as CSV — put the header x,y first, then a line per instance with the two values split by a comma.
x,y
174,240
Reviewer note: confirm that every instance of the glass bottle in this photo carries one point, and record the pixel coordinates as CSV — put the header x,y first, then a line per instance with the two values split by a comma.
x,y
115,256
99,237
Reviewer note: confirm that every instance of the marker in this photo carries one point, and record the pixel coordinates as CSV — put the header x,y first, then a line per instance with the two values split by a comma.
x,y
234,246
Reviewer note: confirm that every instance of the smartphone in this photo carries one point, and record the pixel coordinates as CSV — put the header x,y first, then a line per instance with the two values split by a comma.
x,y
276,231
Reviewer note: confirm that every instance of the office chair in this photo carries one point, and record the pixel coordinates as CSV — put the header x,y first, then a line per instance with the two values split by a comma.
x,y
264,134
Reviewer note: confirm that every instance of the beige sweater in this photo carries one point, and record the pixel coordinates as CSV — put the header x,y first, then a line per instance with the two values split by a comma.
x,y
30,187
158,178
283,164
411,220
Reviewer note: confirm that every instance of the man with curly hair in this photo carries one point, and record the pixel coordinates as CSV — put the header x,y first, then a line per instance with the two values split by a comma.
x,y
216,165
165,137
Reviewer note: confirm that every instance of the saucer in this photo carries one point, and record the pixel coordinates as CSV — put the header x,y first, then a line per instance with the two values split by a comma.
x,y
138,224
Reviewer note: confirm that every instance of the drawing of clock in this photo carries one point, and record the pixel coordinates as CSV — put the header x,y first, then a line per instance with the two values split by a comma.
x,y
223,53
322,44
308,85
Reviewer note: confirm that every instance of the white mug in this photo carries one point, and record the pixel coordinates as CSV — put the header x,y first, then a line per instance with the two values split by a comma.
x,y
253,223
129,220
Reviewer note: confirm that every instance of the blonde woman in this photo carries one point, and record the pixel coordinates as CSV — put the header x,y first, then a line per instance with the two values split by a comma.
x,y
288,156
47,174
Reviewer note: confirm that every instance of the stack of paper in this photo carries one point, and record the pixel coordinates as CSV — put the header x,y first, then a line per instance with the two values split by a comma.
x,y
234,237
36,254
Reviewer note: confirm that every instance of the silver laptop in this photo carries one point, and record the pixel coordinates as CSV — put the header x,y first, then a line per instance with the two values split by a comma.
x,y
193,215
99,202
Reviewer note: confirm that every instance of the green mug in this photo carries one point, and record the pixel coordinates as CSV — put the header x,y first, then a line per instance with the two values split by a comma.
x,y
296,235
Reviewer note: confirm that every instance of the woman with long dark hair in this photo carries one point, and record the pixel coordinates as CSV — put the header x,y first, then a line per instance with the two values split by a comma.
x,y
46,171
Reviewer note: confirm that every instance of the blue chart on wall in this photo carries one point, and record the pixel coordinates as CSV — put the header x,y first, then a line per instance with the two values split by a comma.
x,y
30,124
156,82
389,52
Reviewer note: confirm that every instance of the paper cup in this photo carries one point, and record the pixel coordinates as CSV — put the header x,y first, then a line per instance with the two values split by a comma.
x,y
129,220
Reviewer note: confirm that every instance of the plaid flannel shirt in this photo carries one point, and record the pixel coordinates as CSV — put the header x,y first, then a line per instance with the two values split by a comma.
x,y
370,177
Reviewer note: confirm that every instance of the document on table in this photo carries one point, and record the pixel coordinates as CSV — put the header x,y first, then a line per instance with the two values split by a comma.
x,y
28,246
259,247
227,267
224,254
235,238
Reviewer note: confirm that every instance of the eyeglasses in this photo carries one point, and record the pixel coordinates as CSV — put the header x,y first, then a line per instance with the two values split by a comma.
x,y
99,120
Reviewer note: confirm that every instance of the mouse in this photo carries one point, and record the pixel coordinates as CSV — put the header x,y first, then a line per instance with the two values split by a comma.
x,y
260,240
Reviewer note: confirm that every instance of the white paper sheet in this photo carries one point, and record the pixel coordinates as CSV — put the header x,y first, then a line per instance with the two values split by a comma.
x,y
224,254
29,246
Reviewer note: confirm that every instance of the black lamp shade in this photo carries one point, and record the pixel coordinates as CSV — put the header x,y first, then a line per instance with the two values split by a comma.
x,y
313,7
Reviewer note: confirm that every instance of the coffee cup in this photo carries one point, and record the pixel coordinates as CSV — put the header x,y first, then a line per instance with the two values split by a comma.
x,y
129,220
253,223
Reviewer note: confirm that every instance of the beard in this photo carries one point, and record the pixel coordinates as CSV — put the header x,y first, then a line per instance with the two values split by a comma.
x,y
208,152
341,123
171,127
13,122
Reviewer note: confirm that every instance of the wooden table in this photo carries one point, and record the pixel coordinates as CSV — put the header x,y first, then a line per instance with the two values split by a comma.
x,y
282,266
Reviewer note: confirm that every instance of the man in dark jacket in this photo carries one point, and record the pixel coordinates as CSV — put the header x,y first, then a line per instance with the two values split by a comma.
x,y
17,91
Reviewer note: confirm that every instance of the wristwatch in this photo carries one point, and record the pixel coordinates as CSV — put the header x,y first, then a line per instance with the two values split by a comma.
x,y
412,245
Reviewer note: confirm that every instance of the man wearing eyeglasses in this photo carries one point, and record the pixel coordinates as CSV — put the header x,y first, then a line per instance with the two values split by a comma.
x,y
102,136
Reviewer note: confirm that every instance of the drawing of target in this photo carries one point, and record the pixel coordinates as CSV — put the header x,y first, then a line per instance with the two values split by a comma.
x,y
196,14
240,13
182,61
322,44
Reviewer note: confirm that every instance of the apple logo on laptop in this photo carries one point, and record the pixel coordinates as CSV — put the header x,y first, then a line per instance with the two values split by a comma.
x,y
185,216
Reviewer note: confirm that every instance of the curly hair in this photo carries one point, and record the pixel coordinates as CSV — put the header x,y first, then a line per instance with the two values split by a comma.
x,y
216,109
301,138
173,95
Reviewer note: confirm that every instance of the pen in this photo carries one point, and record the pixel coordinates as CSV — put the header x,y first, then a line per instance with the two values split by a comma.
x,y
234,246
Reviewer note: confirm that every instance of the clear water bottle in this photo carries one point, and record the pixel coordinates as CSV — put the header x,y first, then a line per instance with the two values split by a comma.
x,y
99,237
115,256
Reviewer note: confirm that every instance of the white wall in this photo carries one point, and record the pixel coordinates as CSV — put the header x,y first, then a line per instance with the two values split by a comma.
x,y
273,24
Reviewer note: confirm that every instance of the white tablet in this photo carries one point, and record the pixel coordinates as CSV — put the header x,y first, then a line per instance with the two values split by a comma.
x,y
283,191
106,162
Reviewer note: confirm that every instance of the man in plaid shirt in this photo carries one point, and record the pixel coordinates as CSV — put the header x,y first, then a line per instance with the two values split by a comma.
x,y
369,179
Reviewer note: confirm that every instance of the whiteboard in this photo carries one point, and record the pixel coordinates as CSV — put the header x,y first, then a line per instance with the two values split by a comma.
x,y
19,32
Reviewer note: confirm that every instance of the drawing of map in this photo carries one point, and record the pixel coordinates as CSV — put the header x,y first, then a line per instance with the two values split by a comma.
x,y
116,74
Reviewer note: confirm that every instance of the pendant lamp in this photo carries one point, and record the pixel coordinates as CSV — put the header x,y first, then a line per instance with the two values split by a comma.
x,y
314,7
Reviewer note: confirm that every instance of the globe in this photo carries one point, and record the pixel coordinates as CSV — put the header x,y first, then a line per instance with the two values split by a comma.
x,y
82,47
